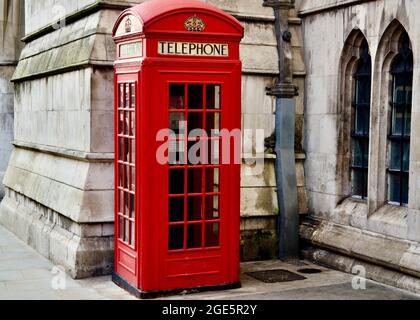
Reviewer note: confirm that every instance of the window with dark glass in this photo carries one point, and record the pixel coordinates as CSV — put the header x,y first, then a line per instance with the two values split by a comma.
x,y
400,127
126,171
361,121
194,184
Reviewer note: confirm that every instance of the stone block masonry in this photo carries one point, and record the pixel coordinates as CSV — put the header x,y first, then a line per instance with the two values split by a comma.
x,y
59,181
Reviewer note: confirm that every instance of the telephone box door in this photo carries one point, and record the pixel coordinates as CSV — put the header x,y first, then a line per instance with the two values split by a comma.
x,y
199,240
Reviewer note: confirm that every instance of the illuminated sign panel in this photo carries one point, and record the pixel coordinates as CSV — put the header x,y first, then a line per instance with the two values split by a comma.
x,y
132,49
193,49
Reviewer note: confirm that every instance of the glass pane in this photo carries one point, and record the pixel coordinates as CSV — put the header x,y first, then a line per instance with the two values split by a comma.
x,y
132,206
394,188
195,124
214,152
195,181
409,95
362,118
128,176
397,119
195,208
407,123
125,148
176,237
406,157
357,153
121,177
132,124
121,228
399,89
395,156
212,180
121,106
357,183
363,87
133,96
127,96
177,124
176,209
177,152
213,124
213,97
212,235
177,96
195,96
176,181
129,148
194,236
133,233
121,122
133,152
133,179
122,202
196,152
127,231
212,208
120,149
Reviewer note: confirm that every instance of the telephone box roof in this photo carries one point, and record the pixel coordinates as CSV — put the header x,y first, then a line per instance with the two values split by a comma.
x,y
154,10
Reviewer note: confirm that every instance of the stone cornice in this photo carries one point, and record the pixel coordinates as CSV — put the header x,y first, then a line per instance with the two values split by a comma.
x,y
76,15
338,4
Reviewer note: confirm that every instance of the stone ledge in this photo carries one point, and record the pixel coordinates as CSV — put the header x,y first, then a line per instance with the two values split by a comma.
x,y
392,253
373,272
66,153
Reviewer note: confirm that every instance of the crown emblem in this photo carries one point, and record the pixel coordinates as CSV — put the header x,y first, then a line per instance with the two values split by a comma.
x,y
194,23
128,25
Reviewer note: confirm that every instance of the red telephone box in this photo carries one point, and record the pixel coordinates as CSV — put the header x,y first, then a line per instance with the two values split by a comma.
x,y
177,86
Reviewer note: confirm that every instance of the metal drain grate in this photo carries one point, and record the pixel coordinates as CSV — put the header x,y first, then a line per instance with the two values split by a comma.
x,y
275,276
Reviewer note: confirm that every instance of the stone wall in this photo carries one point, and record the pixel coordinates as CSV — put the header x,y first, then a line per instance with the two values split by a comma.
x,y
59,181
372,230
11,13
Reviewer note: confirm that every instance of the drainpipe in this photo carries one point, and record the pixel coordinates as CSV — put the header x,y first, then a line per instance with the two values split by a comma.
x,y
285,91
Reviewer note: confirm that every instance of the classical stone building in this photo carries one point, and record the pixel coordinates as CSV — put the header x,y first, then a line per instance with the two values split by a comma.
x,y
362,137
59,182
357,156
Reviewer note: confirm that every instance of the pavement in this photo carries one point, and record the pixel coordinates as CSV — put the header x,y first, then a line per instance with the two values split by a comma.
x,y
25,275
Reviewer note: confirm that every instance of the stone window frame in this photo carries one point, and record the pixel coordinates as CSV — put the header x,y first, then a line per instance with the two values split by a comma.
x,y
382,90
348,65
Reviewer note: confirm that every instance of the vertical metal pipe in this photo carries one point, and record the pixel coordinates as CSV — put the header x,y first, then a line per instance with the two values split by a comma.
x,y
285,91
286,179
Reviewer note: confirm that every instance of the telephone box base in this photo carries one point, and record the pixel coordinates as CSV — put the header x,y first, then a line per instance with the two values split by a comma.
x,y
156,294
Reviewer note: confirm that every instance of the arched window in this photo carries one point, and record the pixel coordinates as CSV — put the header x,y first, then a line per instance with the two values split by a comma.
x,y
361,121
400,126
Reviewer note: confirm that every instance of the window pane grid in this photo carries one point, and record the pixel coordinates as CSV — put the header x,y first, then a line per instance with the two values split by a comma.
x,y
191,185
399,137
361,124
126,164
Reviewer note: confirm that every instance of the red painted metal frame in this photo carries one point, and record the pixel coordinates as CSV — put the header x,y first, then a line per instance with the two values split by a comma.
x,y
147,264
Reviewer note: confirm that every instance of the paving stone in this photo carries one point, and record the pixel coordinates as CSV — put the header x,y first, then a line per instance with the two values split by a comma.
x,y
36,274
10,276
31,279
